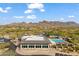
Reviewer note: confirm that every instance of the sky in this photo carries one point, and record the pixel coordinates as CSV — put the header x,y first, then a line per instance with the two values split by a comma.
x,y
35,12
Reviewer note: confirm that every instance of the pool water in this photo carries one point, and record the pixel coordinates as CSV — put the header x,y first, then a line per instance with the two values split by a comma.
x,y
57,40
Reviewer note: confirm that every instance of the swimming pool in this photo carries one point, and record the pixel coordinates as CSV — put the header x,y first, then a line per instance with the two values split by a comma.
x,y
56,41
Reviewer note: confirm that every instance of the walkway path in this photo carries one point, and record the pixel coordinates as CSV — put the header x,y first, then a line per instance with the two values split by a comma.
x,y
35,51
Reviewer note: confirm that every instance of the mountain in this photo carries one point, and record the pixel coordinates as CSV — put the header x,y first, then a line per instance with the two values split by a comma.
x,y
43,24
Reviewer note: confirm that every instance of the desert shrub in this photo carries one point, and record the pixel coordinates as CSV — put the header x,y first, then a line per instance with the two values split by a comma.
x,y
4,45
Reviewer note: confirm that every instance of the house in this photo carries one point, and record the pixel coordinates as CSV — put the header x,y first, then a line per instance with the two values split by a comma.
x,y
34,45
34,42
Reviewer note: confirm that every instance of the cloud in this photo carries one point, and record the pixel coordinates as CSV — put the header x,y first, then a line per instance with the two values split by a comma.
x,y
31,17
28,11
62,19
33,6
71,16
42,10
19,17
4,10
28,17
36,6
8,8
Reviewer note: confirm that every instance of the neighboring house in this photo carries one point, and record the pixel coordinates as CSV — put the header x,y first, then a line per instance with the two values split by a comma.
x,y
3,40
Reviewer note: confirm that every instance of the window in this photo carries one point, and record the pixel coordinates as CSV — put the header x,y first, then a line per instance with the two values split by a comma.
x,y
38,46
24,46
31,46
45,46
